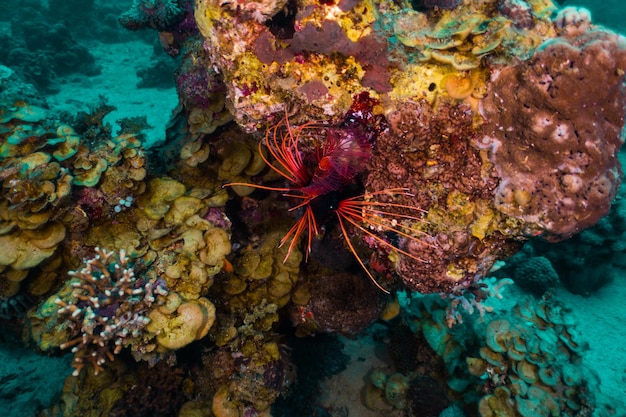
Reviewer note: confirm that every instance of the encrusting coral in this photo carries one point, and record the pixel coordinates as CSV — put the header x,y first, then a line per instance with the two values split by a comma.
x,y
313,58
552,150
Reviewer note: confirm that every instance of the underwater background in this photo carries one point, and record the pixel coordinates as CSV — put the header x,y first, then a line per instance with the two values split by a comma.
x,y
132,283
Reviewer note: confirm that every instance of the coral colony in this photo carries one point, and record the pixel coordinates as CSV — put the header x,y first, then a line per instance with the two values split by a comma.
x,y
107,308
318,144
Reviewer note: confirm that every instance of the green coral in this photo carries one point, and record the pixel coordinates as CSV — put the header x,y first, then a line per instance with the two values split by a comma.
x,y
529,361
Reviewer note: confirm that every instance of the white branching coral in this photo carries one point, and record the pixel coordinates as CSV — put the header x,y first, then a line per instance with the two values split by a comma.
x,y
107,309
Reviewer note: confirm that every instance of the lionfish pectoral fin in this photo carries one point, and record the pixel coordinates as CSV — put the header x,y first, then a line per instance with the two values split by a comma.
x,y
356,255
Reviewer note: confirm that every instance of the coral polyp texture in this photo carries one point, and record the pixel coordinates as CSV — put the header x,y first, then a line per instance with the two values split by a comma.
x,y
552,152
504,117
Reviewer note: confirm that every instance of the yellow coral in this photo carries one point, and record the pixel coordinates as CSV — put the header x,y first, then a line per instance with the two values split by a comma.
x,y
161,193
27,249
191,322
460,85
69,146
224,406
236,159
217,247
181,209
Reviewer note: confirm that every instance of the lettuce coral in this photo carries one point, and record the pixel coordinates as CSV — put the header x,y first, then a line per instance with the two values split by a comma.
x,y
527,362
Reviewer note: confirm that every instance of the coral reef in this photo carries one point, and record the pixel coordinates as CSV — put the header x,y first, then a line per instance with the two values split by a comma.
x,y
311,62
42,49
440,77
317,144
69,192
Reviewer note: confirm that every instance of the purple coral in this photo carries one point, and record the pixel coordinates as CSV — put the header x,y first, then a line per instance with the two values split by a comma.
x,y
370,50
197,87
554,138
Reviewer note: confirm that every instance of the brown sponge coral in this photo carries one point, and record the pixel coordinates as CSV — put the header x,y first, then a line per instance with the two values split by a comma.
x,y
554,128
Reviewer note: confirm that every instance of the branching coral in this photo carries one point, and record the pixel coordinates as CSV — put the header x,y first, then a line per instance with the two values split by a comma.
x,y
107,309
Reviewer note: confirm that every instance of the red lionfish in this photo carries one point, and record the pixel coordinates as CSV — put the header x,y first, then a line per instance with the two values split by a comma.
x,y
321,181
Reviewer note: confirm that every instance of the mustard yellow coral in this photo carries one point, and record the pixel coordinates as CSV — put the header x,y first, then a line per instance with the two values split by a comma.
x,y
191,321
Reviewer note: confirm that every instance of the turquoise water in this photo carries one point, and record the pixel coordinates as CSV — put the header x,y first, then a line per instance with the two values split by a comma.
x,y
73,59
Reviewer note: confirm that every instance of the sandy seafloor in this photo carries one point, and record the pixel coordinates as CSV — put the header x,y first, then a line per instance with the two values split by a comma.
x,y
601,316
118,83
